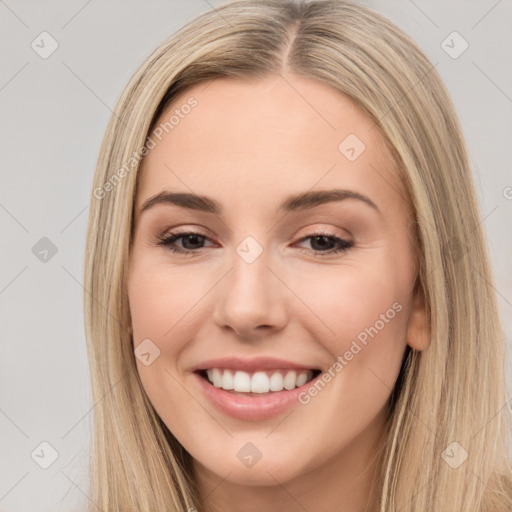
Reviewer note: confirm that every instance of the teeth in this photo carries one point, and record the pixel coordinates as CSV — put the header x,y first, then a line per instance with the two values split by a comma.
x,y
290,380
302,378
260,383
227,380
215,376
257,382
276,382
242,382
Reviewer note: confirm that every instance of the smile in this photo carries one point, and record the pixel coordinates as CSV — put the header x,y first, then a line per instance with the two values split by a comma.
x,y
263,381
253,390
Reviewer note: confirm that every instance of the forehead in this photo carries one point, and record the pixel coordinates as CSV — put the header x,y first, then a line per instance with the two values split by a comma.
x,y
250,142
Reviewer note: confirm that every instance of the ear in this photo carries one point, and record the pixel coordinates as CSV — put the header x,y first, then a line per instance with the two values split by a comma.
x,y
418,332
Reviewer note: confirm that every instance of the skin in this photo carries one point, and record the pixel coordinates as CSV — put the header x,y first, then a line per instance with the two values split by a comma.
x,y
250,144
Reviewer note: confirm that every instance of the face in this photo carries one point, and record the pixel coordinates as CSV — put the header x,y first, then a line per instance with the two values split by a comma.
x,y
260,288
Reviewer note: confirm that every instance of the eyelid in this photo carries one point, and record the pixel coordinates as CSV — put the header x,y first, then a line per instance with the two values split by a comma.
x,y
167,240
309,232
327,230
183,229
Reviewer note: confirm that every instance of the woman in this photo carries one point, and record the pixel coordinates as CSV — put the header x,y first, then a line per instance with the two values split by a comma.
x,y
289,302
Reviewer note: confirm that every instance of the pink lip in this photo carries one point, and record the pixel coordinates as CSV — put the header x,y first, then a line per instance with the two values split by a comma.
x,y
251,407
251,365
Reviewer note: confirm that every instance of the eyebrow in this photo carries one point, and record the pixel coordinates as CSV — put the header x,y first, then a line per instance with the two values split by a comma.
x,y
302,201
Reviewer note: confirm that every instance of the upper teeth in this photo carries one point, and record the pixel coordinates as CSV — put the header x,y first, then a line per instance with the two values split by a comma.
x,y
257,382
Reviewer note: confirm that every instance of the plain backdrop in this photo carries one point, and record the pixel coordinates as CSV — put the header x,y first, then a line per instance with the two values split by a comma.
x,y
54,112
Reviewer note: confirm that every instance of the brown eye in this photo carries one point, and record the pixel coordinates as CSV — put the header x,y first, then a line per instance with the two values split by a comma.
x,y
324,243
191,242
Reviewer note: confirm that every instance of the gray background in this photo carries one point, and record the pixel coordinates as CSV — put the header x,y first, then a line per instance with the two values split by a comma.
x,y
53,115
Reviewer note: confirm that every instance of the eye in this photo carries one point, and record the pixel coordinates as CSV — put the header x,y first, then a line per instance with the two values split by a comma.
x,y
326,240
192,241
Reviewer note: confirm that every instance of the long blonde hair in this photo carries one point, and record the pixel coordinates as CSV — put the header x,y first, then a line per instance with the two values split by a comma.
x,y
453,392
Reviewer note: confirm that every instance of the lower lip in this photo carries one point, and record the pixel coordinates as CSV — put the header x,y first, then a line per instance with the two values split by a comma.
x,y
252,407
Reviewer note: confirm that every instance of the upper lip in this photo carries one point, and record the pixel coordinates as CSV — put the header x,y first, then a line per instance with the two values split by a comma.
x,y
251,365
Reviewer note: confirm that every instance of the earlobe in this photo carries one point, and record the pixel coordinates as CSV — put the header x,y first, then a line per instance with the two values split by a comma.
x,y
418,332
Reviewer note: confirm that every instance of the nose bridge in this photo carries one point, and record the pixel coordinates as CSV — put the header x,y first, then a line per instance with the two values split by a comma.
x,y
251,295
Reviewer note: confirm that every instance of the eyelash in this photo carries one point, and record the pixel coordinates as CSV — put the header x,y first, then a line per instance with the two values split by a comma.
x,y
167,240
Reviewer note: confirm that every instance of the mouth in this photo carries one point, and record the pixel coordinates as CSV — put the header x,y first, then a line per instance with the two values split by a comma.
x,y
254,389
257,383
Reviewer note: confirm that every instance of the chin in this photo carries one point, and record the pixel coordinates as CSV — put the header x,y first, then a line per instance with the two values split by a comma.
x,y
267,471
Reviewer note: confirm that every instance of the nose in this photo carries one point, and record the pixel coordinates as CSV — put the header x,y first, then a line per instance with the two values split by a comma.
x,y
251,299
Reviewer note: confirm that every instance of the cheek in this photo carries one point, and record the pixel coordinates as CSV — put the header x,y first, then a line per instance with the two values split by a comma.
x,y
159,304
161,307
161,301
348,300
366,314
362,315
153,303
